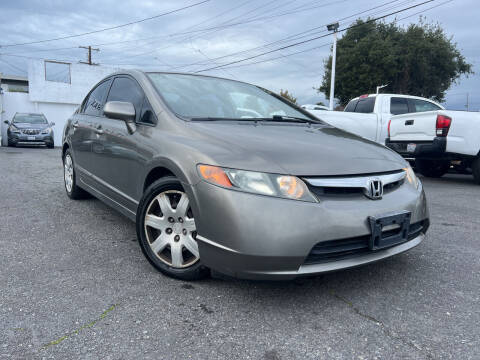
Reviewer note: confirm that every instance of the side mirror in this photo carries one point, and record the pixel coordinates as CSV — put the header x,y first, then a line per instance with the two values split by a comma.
x,y
6,122
121,110
52,124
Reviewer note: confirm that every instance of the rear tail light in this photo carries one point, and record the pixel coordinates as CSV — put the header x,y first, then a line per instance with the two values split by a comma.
x,y
443,125
363,96
388,128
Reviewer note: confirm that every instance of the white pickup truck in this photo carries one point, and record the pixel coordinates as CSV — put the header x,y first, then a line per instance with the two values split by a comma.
x,y
414,127
368,115
438,139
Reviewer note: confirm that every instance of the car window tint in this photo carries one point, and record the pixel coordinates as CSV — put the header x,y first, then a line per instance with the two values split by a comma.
x,y
365,105
125,89
422,105
94,103
398,106
147,116
351,106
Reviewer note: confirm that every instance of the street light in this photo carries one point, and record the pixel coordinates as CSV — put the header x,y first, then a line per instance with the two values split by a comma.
x,y
381,87
333,27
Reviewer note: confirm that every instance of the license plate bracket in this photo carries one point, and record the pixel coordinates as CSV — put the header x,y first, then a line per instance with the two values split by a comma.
x,y
411,147
31,138
380,239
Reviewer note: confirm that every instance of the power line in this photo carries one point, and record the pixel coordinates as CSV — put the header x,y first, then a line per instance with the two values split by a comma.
x,y
291,37
317,47
312,39
108,28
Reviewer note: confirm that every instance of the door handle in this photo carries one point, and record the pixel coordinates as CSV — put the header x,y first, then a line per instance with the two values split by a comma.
x,y
75,124
409,122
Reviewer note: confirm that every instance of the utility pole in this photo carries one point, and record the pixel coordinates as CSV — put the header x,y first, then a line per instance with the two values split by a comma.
x,y
89,55
468,105
334,28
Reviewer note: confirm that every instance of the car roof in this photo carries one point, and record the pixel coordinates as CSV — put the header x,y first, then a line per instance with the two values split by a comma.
x,y
139,72
398,95
30,114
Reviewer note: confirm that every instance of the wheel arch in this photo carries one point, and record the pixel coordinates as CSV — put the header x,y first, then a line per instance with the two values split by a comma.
x,y
64,149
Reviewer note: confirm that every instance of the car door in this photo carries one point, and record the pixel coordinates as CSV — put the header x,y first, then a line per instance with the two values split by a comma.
x,y
114,150
82,124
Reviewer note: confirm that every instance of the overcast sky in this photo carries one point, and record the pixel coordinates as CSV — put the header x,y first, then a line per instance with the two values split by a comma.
x,y
218,28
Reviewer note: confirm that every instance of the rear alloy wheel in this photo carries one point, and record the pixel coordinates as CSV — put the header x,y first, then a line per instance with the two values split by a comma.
x,y
167,232
432,168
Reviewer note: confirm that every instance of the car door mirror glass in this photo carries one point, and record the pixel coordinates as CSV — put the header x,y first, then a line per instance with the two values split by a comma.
x,y
120,110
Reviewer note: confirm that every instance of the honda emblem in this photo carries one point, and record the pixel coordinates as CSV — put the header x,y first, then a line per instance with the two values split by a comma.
x,y
374,189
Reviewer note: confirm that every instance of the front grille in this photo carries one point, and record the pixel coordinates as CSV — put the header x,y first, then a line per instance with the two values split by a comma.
x,y
31,131
350,191
354,185
333,250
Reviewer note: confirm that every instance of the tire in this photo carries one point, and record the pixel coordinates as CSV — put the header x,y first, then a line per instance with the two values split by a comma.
x,y
432,168
166,231
50,146
69,178
476,170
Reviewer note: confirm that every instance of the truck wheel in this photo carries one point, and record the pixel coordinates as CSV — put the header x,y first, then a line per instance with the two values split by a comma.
x,y
432,168
476,170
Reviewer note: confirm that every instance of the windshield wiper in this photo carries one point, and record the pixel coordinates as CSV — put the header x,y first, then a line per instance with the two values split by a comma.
x,y
209,118
295,119
274,118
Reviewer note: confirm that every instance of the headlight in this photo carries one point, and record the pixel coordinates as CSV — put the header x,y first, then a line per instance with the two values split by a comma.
x,y
284,186
411,177
15,130
47,131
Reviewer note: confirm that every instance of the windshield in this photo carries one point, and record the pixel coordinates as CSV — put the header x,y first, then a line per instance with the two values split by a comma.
x,y
29,119
206,97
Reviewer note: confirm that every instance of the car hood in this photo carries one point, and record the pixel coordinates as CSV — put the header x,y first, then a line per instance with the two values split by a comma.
x,y
296,149
31,126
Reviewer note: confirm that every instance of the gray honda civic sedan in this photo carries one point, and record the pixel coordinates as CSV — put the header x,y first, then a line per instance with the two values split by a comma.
x,y
226,176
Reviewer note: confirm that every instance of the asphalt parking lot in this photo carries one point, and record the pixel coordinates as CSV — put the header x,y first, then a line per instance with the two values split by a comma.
x,y
74,284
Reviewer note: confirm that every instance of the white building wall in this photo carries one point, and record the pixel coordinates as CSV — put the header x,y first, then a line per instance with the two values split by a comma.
x,y
83,78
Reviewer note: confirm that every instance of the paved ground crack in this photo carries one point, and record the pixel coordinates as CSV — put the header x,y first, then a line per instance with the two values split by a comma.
x,y
77,331
384,328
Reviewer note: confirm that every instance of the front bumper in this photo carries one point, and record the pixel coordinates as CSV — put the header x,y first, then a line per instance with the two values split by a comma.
x,y
260,237
23,139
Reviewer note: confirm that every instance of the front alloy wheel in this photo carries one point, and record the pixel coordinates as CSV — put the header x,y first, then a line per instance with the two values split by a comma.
x,y
166,230
170,229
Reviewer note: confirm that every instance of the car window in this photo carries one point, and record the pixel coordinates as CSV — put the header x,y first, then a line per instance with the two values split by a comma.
x,y
422,105
93,104
351,106
398,106
147,115
29,119
202,96
365,105
126,89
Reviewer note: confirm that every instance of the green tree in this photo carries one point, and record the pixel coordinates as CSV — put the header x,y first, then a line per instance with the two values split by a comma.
x,y
288,96
418,60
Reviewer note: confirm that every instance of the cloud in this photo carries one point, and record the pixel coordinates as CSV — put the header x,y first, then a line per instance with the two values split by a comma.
x,y
165,47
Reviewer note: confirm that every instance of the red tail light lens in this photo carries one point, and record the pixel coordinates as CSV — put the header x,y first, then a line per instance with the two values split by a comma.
x,y
388,128
443,125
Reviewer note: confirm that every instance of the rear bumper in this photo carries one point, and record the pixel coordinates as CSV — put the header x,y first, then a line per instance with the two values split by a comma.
x,y
260,237
423,149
